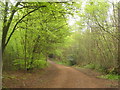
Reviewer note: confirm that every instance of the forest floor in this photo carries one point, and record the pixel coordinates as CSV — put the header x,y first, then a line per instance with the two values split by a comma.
x,y
56,76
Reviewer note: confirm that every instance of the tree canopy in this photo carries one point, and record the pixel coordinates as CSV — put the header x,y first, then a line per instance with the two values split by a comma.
x,y
32,31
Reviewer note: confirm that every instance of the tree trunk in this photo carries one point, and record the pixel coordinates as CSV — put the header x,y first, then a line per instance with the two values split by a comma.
x,y
46,59
119,38
4,27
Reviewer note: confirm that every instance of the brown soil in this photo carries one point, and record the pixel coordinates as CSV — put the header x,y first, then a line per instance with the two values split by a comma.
x,y
56,76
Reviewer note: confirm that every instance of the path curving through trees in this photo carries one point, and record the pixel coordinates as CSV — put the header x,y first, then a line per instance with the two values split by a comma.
x,y
68,77
57,76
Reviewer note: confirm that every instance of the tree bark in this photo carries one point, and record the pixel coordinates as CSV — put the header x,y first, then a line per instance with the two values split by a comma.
x,y
4,27
119,38
6,24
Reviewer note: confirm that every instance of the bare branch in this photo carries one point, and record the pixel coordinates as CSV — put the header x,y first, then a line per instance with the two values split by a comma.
x,y
104,28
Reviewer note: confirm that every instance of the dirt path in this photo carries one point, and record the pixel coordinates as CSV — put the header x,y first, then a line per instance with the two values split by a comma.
x,y
59,76
69,77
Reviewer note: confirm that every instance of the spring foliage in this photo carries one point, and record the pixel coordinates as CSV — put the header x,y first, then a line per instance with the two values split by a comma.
x,y
39,29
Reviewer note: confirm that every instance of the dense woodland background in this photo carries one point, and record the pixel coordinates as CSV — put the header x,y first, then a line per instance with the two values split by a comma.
x,y
32,32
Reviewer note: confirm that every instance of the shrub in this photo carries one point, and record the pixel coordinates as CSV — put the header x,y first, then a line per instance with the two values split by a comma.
x,y
90,66
20,64
110,76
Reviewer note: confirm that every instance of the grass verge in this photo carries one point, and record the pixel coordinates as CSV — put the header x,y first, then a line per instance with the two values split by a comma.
x,y
102,70
110,76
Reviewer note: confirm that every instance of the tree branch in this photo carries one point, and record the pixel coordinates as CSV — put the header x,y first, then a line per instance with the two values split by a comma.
x,y
6,24
104,28
19,22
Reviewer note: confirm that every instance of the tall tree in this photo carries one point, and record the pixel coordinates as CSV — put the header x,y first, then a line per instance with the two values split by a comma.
x,y
8,17
119,38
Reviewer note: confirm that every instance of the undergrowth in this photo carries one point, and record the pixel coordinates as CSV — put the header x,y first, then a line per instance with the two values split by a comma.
x,y
20,64
110,76
107,73
63,63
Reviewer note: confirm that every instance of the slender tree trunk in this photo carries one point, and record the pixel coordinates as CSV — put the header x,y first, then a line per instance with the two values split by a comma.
x,y
119,38
4,27
34,49
25,46
46,59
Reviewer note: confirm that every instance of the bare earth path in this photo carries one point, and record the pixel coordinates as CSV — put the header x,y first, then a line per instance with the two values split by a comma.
x,y
59,76
71,78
